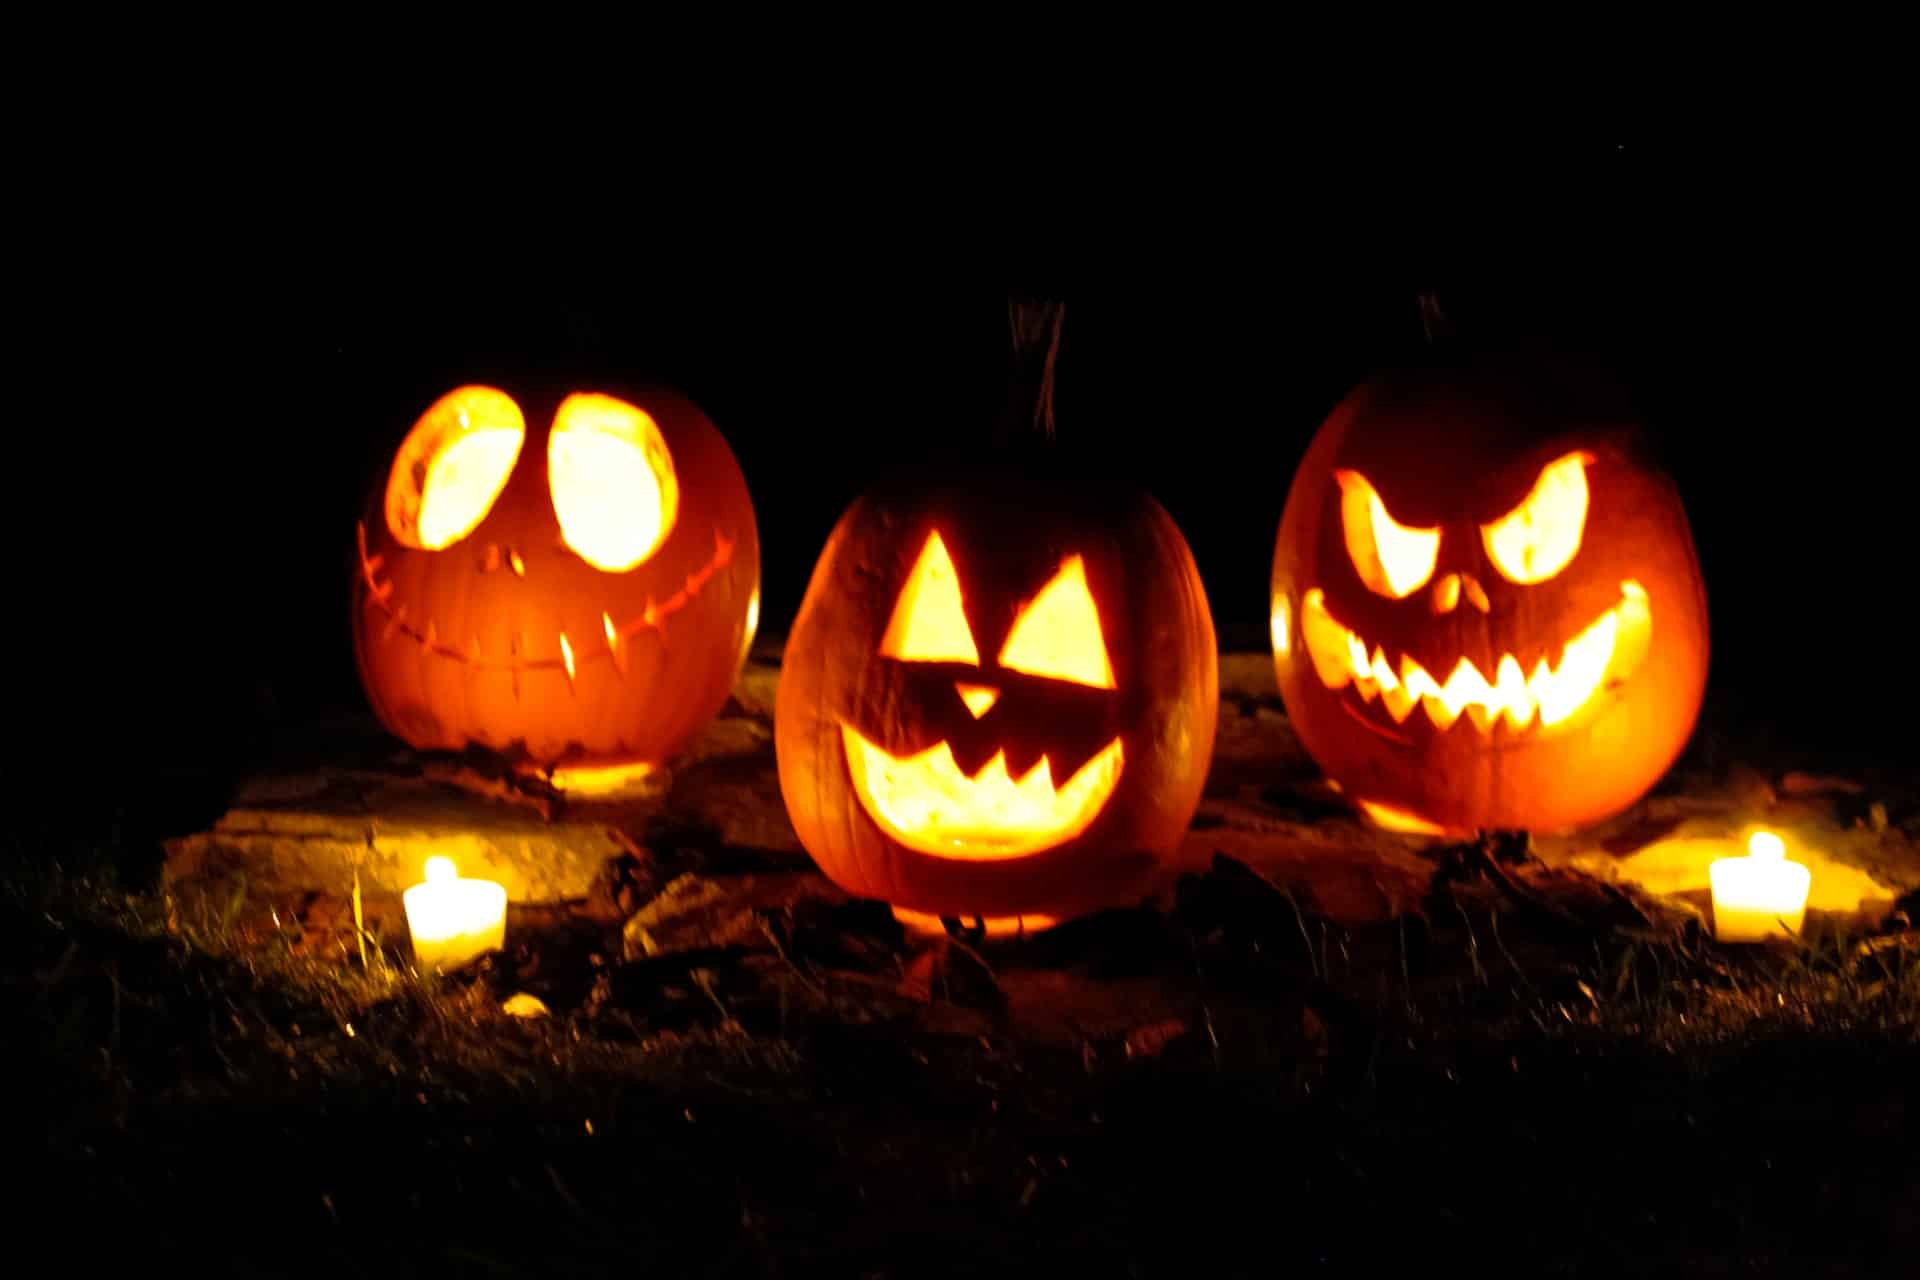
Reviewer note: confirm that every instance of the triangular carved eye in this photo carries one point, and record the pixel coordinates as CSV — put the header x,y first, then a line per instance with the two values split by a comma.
x,y
1058,633
452,466
929,623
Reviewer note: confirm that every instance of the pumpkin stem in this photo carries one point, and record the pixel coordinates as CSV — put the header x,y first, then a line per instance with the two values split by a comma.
x,y
1034,325
1432,319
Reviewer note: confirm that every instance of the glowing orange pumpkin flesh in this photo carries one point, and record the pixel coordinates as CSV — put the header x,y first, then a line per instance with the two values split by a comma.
x,y
1565,622
924,800
998,697
518,594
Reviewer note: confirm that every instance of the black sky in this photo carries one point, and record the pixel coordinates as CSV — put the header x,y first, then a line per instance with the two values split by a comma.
x,y
262,368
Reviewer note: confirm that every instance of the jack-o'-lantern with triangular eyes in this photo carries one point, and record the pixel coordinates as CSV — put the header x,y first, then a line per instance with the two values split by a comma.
x,y
997,701
570,578
1487,610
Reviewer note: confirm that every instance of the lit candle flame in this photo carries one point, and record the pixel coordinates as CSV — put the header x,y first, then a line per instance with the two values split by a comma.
x,y
1761,896
454,920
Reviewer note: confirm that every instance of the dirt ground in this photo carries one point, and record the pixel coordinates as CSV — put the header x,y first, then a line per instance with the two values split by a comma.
x,y
1328,1046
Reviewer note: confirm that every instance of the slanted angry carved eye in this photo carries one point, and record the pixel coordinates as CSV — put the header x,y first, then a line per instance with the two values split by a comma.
x,y
1391,558
1058,633
614,490
452,466
1538,538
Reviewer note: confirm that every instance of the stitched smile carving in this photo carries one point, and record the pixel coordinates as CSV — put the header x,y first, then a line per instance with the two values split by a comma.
x,y
569,578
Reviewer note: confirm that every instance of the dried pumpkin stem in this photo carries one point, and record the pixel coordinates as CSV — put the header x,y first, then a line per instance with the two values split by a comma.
x,y
1034,325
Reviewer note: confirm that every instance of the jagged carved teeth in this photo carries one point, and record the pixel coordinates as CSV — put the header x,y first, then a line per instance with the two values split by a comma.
x,y
1605,652
926,803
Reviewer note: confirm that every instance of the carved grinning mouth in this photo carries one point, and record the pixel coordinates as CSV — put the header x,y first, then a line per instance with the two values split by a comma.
x,y
926,803
1602,655
569,654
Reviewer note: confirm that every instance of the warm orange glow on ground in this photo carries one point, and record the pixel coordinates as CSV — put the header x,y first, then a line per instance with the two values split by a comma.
x,y
1535,540
614,490
1388,818
1684,865
1058,633
602,780
1609,649
927,804
1391,558
929,623
926,924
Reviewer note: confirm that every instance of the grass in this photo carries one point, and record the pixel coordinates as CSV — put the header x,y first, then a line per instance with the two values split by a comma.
x,y
1455,1087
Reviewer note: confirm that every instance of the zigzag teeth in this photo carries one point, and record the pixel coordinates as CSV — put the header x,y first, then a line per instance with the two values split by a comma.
x,y
1399,702
1553,691
1439,712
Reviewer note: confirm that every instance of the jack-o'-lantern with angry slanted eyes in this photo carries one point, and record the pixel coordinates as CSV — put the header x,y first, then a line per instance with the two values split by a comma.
x,y
1487,610
570,578
998,697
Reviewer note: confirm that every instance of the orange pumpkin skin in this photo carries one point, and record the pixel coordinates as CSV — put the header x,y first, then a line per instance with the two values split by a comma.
x,y
462,645
1454,447
1008,534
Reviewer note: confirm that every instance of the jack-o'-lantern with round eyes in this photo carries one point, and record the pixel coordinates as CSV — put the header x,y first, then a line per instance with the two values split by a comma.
x,y
569,578
998,698
1487,611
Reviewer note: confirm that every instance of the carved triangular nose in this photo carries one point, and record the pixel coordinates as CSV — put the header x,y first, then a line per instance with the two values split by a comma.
x,y
978,697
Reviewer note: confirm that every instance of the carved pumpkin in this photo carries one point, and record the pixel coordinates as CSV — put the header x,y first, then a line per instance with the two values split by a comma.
x,y
1487,611
998,698
570,579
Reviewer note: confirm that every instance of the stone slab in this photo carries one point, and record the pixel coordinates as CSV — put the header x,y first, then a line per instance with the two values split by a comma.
x,y
310,832
357,800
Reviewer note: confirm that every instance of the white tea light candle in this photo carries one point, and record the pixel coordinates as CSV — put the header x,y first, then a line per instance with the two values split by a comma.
x,y
1760,896
454,920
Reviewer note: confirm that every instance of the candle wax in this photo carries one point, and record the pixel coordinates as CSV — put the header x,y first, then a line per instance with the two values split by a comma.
x,y
454,921
1759,896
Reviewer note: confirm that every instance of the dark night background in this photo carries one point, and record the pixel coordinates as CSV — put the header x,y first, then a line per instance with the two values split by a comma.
x,y
266,361
224,323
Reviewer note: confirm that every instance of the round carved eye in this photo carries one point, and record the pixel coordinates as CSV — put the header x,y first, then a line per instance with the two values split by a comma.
x,y
452,466
614,490
1540,537
1391,558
